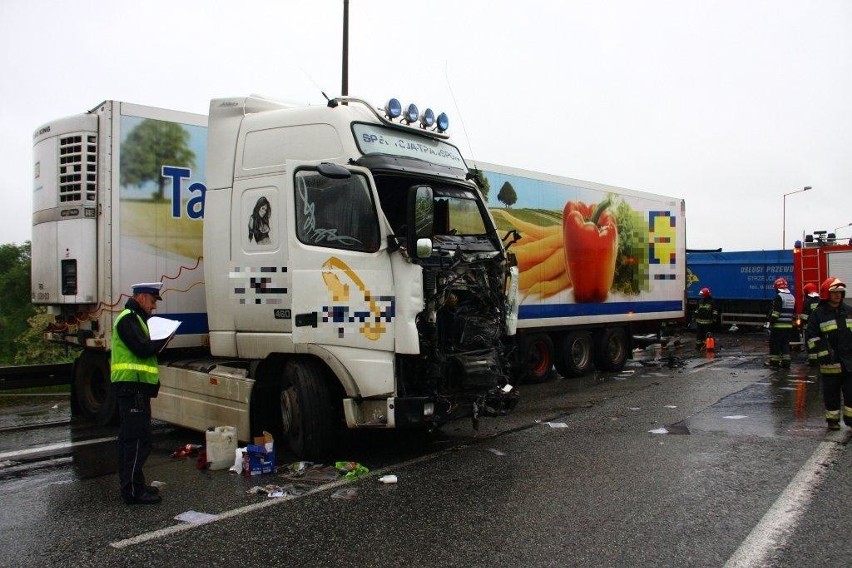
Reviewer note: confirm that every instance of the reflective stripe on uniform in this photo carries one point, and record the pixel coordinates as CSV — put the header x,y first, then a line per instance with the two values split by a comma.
x,y
134,367
830,369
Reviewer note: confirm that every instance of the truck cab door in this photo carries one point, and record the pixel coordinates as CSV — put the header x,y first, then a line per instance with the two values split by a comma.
x,y
340,267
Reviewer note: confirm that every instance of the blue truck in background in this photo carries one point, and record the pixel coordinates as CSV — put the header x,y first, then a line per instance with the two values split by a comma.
x,y
741,282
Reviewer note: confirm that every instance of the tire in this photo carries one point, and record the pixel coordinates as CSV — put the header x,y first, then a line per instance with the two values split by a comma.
x,y
611,349
536,357
93,390
307,413
574,356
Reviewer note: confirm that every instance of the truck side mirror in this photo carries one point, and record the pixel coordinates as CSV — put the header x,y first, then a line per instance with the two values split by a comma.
x,y
333,171
421,216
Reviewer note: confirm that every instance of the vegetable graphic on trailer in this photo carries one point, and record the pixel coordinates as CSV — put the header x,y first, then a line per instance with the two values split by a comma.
x,y
595,263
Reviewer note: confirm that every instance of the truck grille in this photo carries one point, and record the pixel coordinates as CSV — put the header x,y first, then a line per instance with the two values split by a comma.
x,y
78,168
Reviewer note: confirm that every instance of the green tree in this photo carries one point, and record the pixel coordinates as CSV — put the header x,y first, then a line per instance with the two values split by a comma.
x,y
31,347
507,195
482,182
15,302
150,146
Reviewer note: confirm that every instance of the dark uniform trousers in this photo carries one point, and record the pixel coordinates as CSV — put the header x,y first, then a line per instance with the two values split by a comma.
x,y
134,442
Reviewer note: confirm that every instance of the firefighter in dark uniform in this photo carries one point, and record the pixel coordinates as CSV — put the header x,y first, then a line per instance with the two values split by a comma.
x,y
135,380
781,325
809,304
705,317
830,338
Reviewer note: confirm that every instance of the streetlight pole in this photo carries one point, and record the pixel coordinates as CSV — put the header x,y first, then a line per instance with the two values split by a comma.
x,y
344,79
784,228
841,227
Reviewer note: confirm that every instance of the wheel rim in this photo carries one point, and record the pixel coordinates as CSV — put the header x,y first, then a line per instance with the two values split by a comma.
x,y
580,353
539,361
290,414
615,348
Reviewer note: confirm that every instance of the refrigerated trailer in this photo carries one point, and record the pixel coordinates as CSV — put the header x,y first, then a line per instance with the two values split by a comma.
x,y
597,264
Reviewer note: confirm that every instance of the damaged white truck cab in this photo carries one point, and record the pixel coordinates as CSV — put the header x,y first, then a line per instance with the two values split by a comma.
x,y
351,274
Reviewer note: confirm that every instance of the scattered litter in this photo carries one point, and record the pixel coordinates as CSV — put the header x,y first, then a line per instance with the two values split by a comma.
x,y
788,388
496,452
658,431
202,463
735,417
159,484
634,408
627,372
259,457
314,473
557,424
239,454
680,428
351,470
55,406
346,493
670,406
195,518
762,383
299,468
187,450
272,490
389,479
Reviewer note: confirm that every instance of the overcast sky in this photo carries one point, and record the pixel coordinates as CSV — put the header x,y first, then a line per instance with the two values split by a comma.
x,y
728,104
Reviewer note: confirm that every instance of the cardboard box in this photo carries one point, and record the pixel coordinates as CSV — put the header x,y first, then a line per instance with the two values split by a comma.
x,y
260,456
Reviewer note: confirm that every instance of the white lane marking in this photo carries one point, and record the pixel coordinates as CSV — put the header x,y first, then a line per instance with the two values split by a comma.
x,y
775,526
54,447
175,529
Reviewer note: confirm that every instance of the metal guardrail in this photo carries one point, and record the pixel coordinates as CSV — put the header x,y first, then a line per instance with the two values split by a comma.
x,y
30,376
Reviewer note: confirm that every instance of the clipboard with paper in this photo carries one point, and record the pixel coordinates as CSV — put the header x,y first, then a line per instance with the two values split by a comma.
x,y
162,328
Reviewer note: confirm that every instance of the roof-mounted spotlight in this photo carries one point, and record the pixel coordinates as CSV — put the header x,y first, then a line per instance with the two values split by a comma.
x,y
411,113
393,109
427,119
443,122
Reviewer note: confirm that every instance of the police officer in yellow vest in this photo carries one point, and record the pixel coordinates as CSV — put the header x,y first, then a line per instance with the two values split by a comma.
x,y
135,380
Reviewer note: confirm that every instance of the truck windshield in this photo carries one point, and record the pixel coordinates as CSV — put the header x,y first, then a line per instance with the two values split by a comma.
x,y
458,215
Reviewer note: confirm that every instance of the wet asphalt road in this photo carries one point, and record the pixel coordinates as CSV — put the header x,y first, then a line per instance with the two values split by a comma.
x,y
575,477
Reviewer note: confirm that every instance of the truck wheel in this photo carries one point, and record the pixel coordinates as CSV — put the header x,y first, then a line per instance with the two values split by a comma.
x,y
611,349
536,357
307,415
92,388
574,356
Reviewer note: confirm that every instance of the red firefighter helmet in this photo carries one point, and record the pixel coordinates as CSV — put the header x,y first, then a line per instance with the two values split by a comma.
x,y
781,282
810,288
832,284
704,292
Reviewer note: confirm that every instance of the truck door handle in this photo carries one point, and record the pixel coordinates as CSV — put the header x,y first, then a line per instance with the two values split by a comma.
x,y
303,320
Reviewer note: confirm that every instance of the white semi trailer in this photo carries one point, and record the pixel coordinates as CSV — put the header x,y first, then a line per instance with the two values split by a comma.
x,y
598,265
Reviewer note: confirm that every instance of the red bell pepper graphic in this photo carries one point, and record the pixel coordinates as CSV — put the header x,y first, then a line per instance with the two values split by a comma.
x,y
591,245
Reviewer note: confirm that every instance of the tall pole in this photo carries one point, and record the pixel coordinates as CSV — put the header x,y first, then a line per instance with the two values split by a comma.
x,y
344,87
784,228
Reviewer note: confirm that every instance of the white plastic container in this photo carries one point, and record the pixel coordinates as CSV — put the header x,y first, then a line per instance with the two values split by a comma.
x,y
221,446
